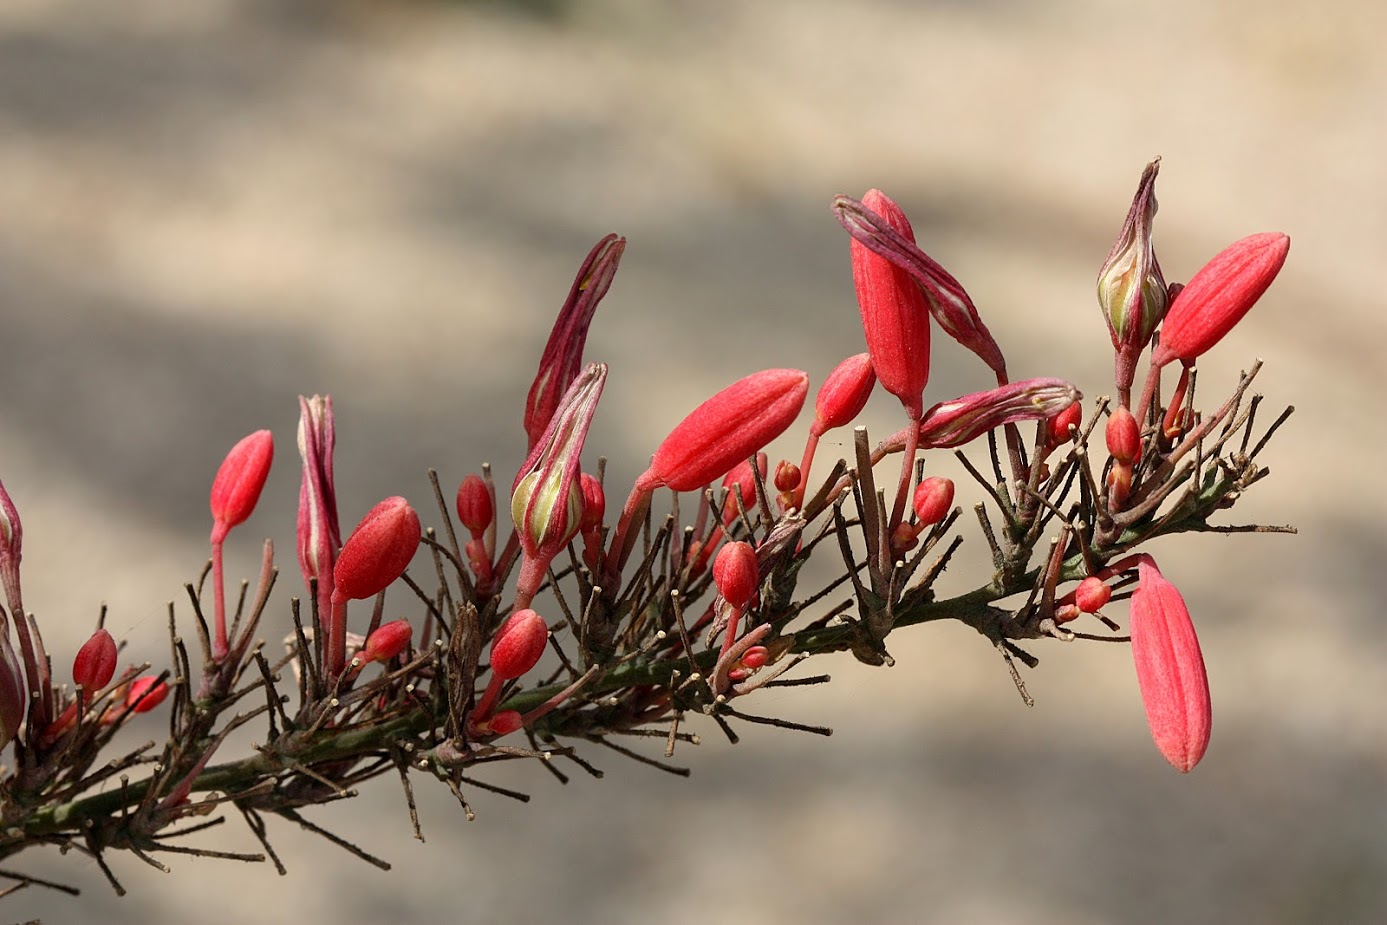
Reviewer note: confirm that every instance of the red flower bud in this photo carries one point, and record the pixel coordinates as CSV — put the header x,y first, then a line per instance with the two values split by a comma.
x,y
727,429
786,476
146,693
474,505
756,657
844,394
518,645
1061,423
505,722
736,574
895,313
95,663
1218,296
388,641
1124,436
743,481
378,551
934,498
239,481
1170,669
594,502
1092,594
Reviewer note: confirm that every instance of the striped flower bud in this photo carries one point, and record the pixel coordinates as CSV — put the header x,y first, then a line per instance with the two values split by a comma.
x,y
1170,669
95,663
1218,296
1131,289
726,429
736,574
964,419
378,551
518,645
12,691
239,481
319,533
844,394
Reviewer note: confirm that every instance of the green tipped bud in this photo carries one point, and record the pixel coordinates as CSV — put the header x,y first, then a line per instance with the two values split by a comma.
x,y
1131,289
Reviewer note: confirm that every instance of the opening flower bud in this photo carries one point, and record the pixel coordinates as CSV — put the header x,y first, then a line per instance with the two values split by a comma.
x,y
726,429
378,551
239,481
934,498
1131,289
518,645
736,574
95,663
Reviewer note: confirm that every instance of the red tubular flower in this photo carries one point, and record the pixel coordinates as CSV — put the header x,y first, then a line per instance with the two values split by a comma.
x,y
736,574
95,663
1218,296
1170,669
1131,289
726,429
945,296
562,359
239,481
378,551
388,641
895,312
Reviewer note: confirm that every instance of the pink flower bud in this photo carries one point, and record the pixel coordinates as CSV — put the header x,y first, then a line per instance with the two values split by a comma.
x,y
518,645
239,481
319,533
947,301
727,429
1124,436
594,502
1092,594
388,641
934,498
1131,289
1170,669
145,693
1219,295
1061,423
563,353
378,551
844,394
954,423
95,663
474,505
736,574
546,500
895,313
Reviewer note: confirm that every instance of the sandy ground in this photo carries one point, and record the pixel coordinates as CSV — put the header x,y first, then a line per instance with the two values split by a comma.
x,y
208,208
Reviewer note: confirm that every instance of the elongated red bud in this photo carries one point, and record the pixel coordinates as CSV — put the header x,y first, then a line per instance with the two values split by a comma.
x,y
934,498
895,312
1092,594
594,502
237,486
95,663
518,645
1170,669
1218,296
378,551
1124,436
844,394
388,641
145,693
475,510
736,574
726,429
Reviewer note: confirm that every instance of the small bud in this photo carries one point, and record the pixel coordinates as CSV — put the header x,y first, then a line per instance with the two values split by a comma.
x,y
378,551
934,498
474,505
518,645
1131,289
1092,594
736,574
505,722
1124,436
844,394
895,313
904,538
146,693
786,476
1060,424
239,481
743,481
727,429
95,663
388,641
1119,485
1170,669
1218,296
562,359
594,502
954,423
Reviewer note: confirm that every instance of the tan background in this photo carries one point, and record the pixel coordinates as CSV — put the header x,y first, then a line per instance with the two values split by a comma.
x,y
207,208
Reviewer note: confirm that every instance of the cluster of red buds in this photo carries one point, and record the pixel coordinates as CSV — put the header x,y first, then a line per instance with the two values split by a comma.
x,y
582,628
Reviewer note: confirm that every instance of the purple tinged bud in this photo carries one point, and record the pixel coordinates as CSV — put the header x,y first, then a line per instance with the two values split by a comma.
x,y
12,696
11,549
954,423
319,534
1131,290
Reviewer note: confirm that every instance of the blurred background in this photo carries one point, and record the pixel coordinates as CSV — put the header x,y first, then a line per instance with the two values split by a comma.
x,y
209,208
